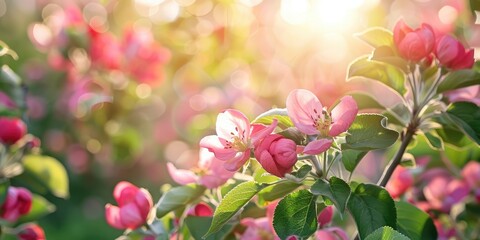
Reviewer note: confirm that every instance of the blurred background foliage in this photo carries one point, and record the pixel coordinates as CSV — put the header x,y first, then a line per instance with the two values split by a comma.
x,y
107,124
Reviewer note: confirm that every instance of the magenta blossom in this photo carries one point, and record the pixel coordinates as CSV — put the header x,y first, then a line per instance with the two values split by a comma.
x,y
17,203
209,173
401,181
466,94
471,174
235,138
331,233
276,154
31,231
452,54
134,205
443,192
310,117
325,216
413,44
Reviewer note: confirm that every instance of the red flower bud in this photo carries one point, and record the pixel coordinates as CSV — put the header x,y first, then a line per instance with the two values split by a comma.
x,y
31,231
18,202
276,154
415,44
11,130
452,54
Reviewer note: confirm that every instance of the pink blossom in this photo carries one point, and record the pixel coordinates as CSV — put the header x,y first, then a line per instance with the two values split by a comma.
x,y
200,210
134,205
443,192
444,233
235,138
11,130
276,154
257,229
17,203
452,54
413,44
331,233
31,231
325,216
310,117
467,94
6,101
105,51
400,182
471,174
209,172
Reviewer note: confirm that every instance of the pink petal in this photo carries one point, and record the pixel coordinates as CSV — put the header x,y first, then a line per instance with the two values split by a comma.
x,y
325,216
181,176
237,162
471,173
268,163
124,193
130,216
201,210
144,202
259,132
217,147
343,115
232,123
427,35
339,232
400,30
302,106
112,214
465,61
457,190
317,146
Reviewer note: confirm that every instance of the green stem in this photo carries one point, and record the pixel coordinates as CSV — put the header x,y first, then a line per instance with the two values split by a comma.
x,y
316,165
325,163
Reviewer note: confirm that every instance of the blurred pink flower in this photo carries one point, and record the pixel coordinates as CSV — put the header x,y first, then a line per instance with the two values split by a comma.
x,y
134,205
35,107
31,231
471,174
105,51
331,233
200,210
325,216
467,94
6,101
412,44
235,138
452,54
257,229
144,58
443,192
443,232
210,171
400,182
310,117
17,203
276,154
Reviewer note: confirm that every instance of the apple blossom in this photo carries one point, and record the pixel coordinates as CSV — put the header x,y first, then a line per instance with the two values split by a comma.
x,y
325,216
412,44
17,203
31,231
401,181
276,154
331,233
11,130
443,192
235,138
452,54
134,205
471,174
310,117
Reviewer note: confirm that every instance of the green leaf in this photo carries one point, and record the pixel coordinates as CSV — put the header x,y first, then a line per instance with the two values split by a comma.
x,y
4,185
434,141
262,176
466,115
388,233
365,101
408,161
49,172
450,133
198,227
280,114
371,207
369,132
459,79
374,70
296,215
293,134
40,208
414,223
300,174
351,158
11,84
388,55
277,191
336,190
376,37
178,197
232,203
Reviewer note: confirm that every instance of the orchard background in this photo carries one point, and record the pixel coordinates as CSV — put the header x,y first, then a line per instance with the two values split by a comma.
x,y
113,91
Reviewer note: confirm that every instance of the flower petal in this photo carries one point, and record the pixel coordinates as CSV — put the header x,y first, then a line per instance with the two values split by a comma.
x,y
317,146
259,131
237,162
130,216
232,123
144,202
302,106
112,214
216,145
181,176
124,193
343,115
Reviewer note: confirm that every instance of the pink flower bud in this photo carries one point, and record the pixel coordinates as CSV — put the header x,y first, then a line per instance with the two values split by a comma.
x,y
415,44
134,205
276,154
400,182
11,130
31,231
18,203
452,54
471,174
201,210
325,216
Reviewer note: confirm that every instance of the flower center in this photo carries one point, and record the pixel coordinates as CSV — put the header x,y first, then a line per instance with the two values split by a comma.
x,y
237,141
322,121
